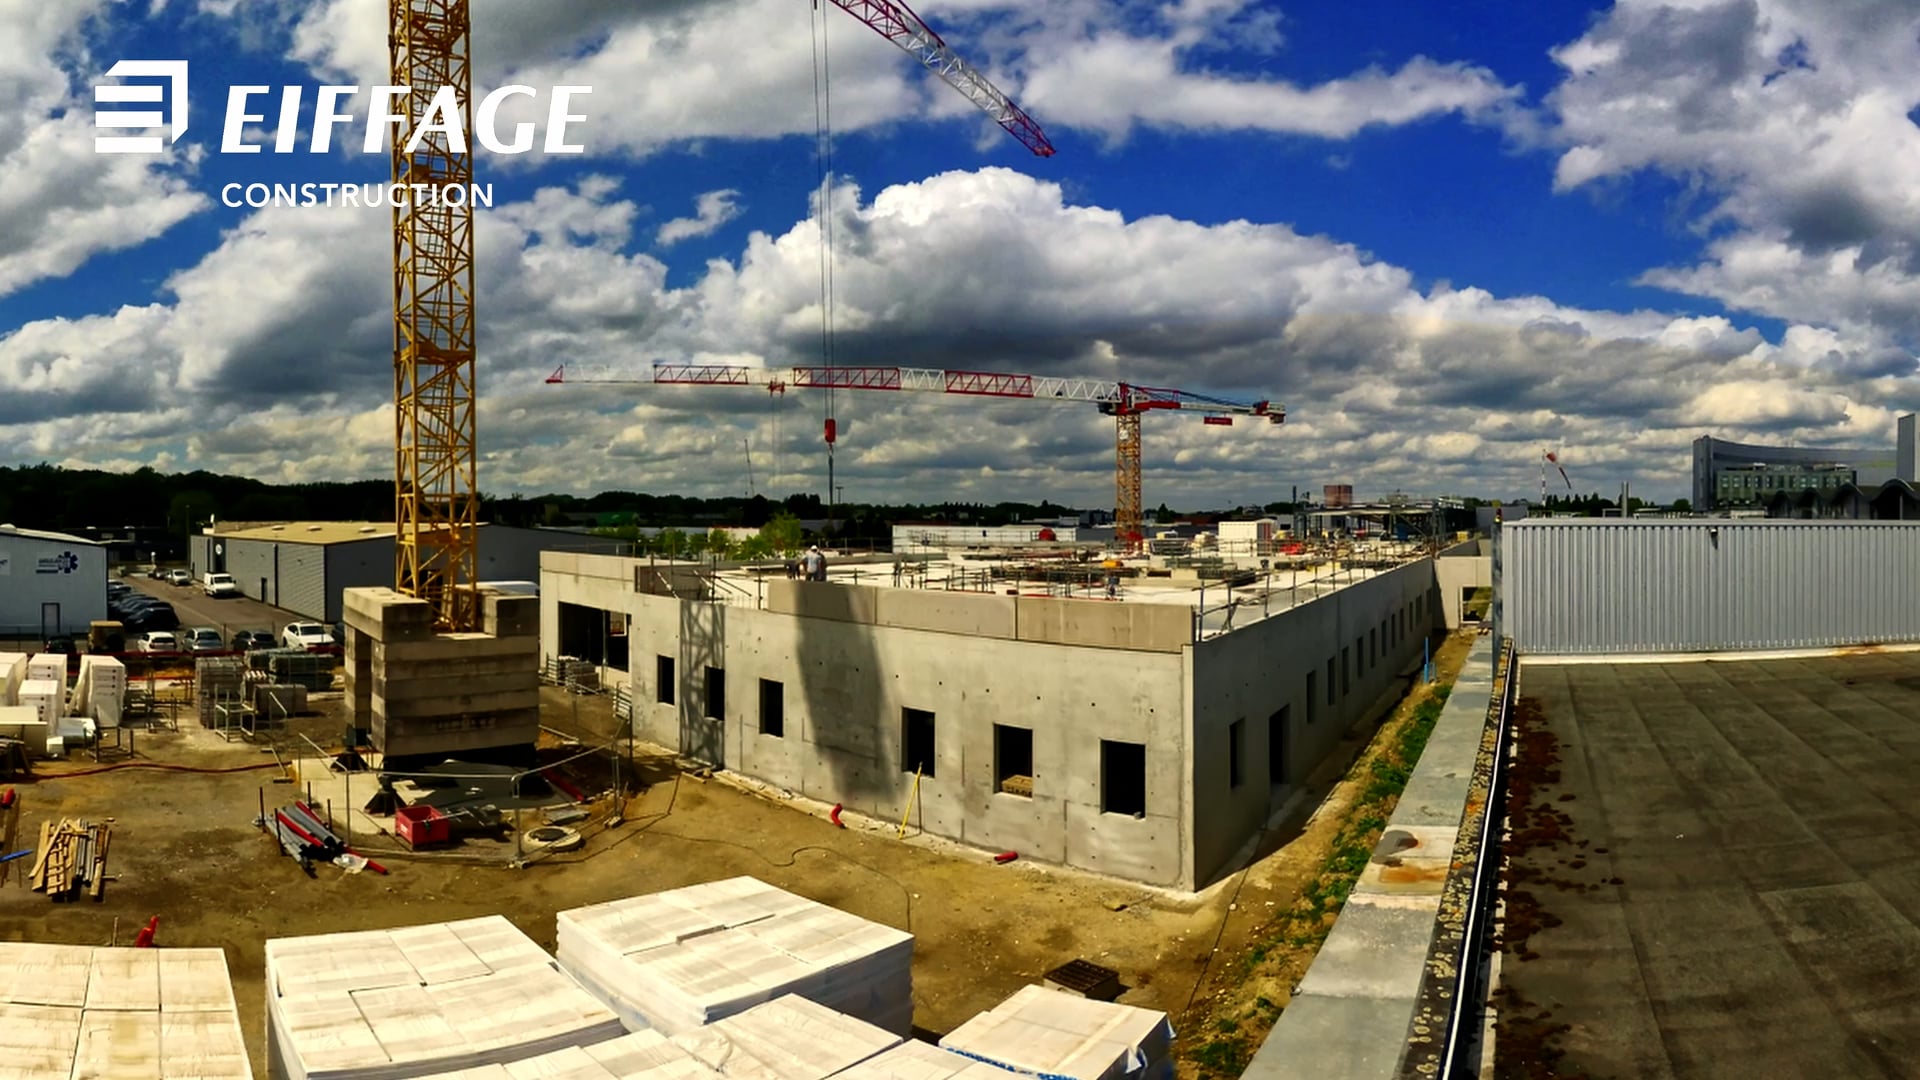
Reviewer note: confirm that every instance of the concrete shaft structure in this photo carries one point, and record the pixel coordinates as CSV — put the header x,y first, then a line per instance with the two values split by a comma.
x,y
417,690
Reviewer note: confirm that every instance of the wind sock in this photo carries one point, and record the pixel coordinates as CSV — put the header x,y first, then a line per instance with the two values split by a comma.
x,y
1555,458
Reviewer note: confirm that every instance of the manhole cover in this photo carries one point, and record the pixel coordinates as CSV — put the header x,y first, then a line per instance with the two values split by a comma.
x,y
1086,979
553,838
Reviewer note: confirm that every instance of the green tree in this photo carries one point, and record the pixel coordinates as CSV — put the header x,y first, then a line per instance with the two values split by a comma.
x,y
782,534
718,543
671,542
1683,506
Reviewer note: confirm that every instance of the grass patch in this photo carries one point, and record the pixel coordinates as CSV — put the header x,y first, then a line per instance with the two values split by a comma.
x,y
1304,926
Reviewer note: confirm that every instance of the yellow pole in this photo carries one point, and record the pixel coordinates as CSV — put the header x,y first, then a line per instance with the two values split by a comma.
x,y
911,795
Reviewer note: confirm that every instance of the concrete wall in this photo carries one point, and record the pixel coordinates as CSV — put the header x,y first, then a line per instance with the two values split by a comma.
x,y
1373,627
1456,573
859,656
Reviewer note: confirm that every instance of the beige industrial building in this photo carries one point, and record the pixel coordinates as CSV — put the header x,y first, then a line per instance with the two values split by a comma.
x,y
1136,737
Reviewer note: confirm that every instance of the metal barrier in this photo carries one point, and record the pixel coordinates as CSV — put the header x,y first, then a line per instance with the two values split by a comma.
x,y
1450,1005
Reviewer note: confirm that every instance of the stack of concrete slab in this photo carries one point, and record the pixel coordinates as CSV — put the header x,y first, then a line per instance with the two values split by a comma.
x,y
420,692
1046,1033
217,681
48,667
13,672
81,1011
788,1038
915,1060
390,1004
100,690
679,960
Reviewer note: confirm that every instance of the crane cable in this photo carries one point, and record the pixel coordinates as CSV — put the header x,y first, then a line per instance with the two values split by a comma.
x,y
823,155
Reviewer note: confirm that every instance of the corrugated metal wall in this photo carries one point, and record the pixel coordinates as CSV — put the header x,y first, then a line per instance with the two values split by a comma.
x,y
251,564
199,555
358,564
1585,586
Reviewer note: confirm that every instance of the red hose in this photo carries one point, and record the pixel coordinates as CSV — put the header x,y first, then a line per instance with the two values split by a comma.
x,y
835,817
159,765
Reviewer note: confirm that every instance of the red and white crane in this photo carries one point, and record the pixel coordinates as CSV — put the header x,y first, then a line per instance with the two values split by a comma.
x,y
1125,402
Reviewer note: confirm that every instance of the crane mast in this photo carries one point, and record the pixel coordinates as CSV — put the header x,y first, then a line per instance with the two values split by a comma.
x,y
436,494
1125,402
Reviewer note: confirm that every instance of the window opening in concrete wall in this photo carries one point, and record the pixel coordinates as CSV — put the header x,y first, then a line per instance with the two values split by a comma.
x,y
1330,682
1373,648
1346,672
1236,751
1277,739
1123,778
1313,701
663,679
916,736
1013,760
773,708
716,693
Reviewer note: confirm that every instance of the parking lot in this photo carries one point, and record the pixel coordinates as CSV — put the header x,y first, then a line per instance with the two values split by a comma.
x,y
197,609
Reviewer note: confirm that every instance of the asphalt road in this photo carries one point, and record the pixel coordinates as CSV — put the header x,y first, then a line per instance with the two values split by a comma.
x,y
197,609
1726,870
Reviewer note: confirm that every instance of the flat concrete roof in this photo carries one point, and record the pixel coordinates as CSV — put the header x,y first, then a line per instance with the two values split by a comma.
x,y
1739,891
315,532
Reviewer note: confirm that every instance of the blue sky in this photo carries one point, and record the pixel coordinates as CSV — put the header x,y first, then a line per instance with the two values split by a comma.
x,y
1445,236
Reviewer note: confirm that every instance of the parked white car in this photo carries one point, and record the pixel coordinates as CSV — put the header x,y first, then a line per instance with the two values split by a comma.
x,y
159,641
179,577
204,639
306,635
220,585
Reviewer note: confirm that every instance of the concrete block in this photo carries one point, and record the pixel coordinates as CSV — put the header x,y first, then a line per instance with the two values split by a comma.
x,y
944,612
1375,950
1318,1037
386,615
457,705
1408,861
822,600
403,738
1145,627
452,647
391,687
504,615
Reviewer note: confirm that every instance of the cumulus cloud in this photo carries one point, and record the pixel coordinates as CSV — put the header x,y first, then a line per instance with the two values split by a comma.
x,y
1792,119
61,203
1387,386
711,210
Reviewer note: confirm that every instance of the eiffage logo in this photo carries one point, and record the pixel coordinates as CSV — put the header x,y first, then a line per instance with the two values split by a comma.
x,y
175,118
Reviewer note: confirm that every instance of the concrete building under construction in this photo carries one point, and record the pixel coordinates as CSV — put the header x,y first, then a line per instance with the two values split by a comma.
x,y
1147,730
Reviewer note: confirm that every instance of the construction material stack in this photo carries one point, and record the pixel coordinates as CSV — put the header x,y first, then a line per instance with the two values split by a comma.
x,y
680,960
48,698
1047,1033
915,1060
77,1010
49,667
100,690
13,672
218,681
388,1004
73,859
787,1039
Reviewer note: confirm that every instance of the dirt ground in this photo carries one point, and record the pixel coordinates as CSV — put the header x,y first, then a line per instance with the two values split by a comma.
x,y
185,848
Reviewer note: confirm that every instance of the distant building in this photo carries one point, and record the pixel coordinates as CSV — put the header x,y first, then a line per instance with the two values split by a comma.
x,y
304,566
1336,496
1742,476
50,583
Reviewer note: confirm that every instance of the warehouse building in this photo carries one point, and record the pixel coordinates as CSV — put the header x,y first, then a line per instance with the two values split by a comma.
x,y
1737,476
304,566
50,583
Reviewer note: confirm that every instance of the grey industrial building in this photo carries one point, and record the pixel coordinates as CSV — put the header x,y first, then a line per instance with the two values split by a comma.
x,y
1108,736
304,566
1732,476
50,583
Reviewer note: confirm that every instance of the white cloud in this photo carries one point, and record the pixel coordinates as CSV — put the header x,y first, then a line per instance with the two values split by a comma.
x,y
1789,119
61,203
275,350
711,210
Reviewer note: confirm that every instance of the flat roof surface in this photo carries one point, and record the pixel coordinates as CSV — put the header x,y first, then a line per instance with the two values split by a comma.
x,y
1738,888
316,532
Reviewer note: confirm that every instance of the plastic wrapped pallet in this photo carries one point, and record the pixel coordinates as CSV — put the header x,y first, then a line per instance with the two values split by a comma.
x,y
682,959
48,699
100,690
13,672
788,1038
76,1010
643,1055
51,667
915,1060
1044,1032
420,1001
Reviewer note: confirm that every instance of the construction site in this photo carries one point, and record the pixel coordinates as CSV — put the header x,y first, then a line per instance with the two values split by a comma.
x,y
1047,809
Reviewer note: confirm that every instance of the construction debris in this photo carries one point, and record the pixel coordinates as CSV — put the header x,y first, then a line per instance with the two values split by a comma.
x,y
73,859
303,837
